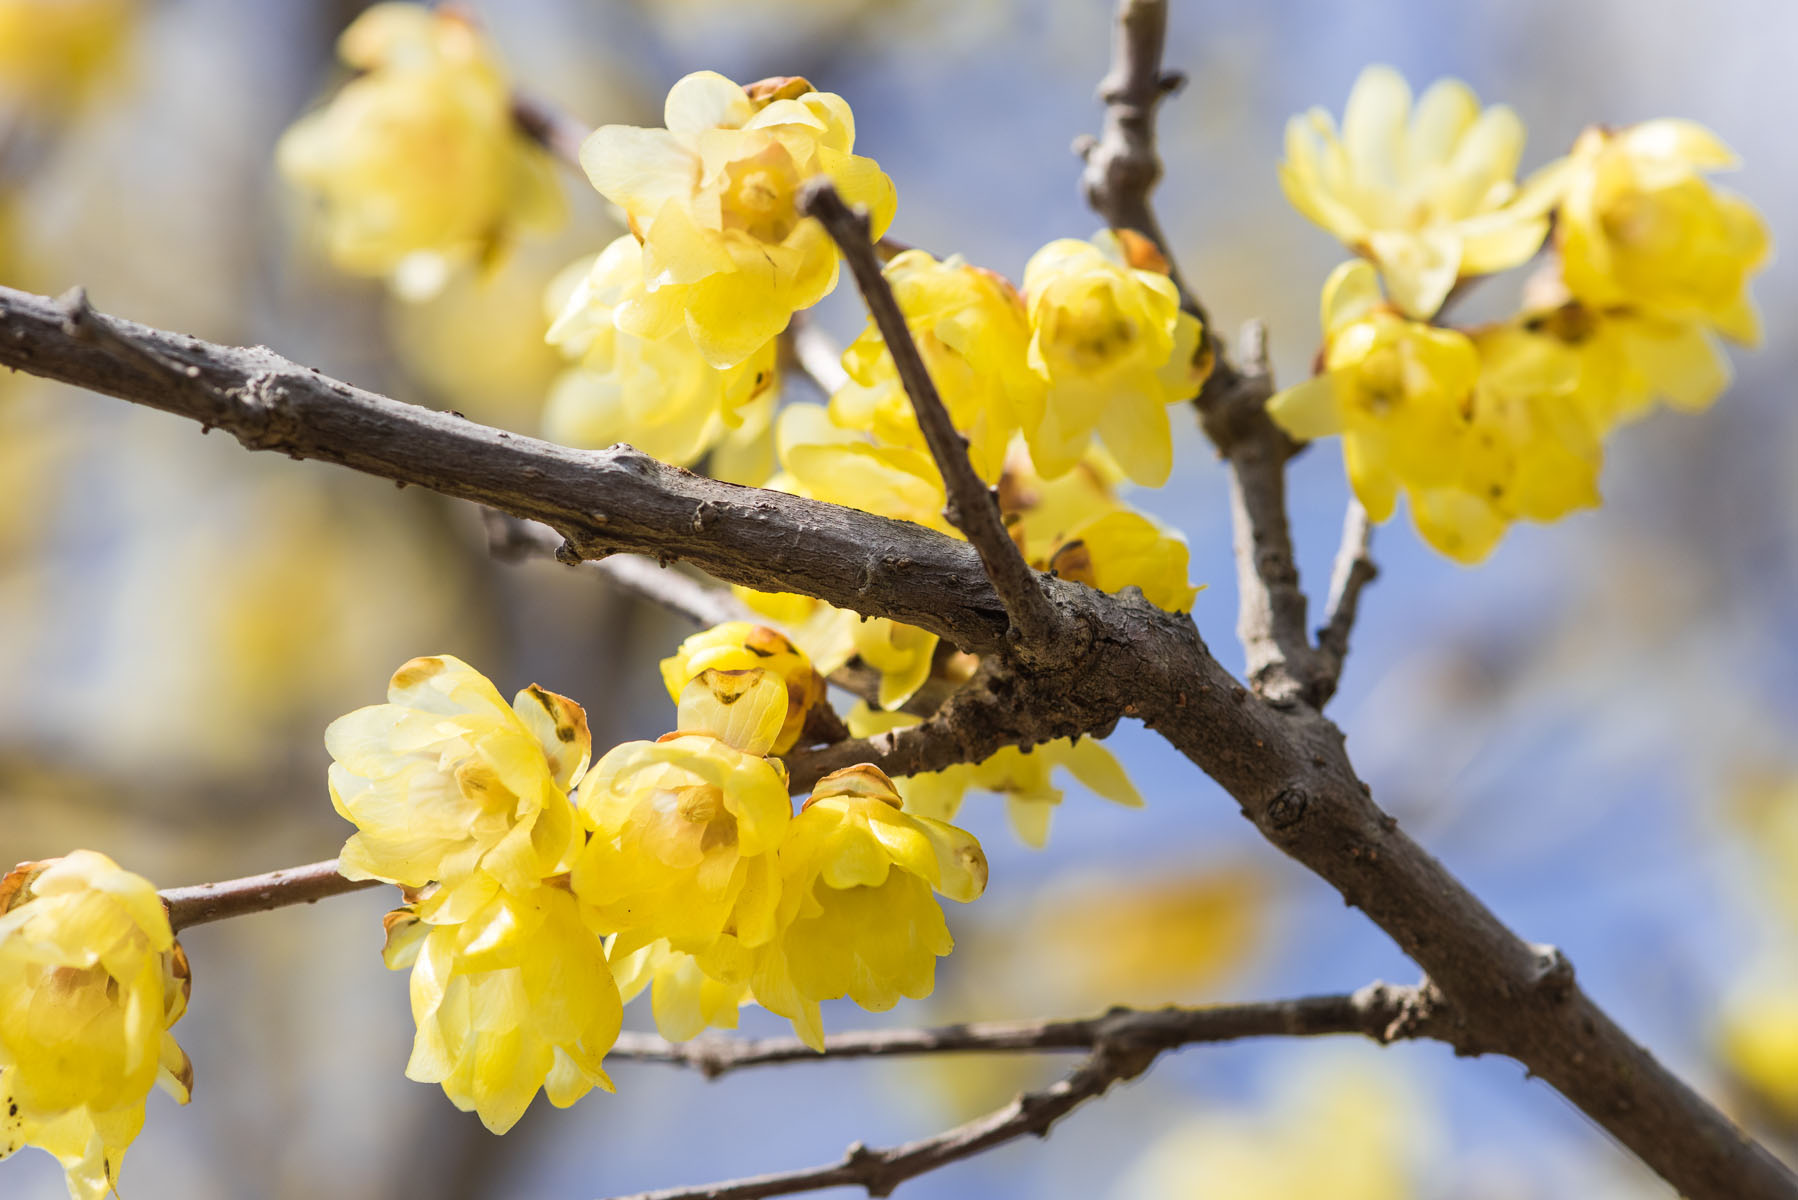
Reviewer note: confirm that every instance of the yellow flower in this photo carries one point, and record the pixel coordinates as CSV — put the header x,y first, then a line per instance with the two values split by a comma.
x,y
91,979
518,996
1532,449
660,395
712,198
1023,777
1641,229
1075,526
448,785
903,654
684,999
742,646
417,161
1430,194
685,827
52,52
858,919
1398,391
826,459
970,328
1111,344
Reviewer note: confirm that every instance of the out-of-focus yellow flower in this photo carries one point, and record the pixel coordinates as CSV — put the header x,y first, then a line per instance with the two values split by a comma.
x,y
1430,194
91,979
1757,1040
970,328
1114,349
1337,1129
858,918
52,52
659,394
516,997
448,785
417,160
1640,228
712,197
743,646
1022,777
684,999
1627,361
1397,390
685,828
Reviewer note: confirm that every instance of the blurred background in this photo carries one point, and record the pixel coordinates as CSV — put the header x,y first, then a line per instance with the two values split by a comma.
x,y
1595,729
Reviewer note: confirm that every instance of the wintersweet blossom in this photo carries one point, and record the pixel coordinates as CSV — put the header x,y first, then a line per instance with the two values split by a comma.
x,y
517,996
1428,194
91,979
745,646
1628,360
903,654
683,998
1113,348
53,52
660,395
417,161
1076,526
713,198
1397,390
1531,449
446,784
1642,229
1023,777
969,326
685,828
858,918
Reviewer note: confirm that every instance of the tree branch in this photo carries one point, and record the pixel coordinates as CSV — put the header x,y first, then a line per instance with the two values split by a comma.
x,y
1285,765
207,902
1381,1011
1271,606
1122,164
879,1171
557,132
1354,569
973,507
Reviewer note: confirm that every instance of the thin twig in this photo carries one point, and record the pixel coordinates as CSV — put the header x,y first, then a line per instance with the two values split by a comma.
x,y
972,506
1354,569
510,539
1271,605
1381,1011
551,128
1122,164
206,902
816,355
879,1171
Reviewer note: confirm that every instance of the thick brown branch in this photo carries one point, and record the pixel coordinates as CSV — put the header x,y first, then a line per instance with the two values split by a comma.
x,y
1380,1011
972,506
1286,766
1354,569
258,893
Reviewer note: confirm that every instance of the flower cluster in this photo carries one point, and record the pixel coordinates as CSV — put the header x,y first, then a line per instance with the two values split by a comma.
x,y
91,979
1481,428
417,162
542,893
